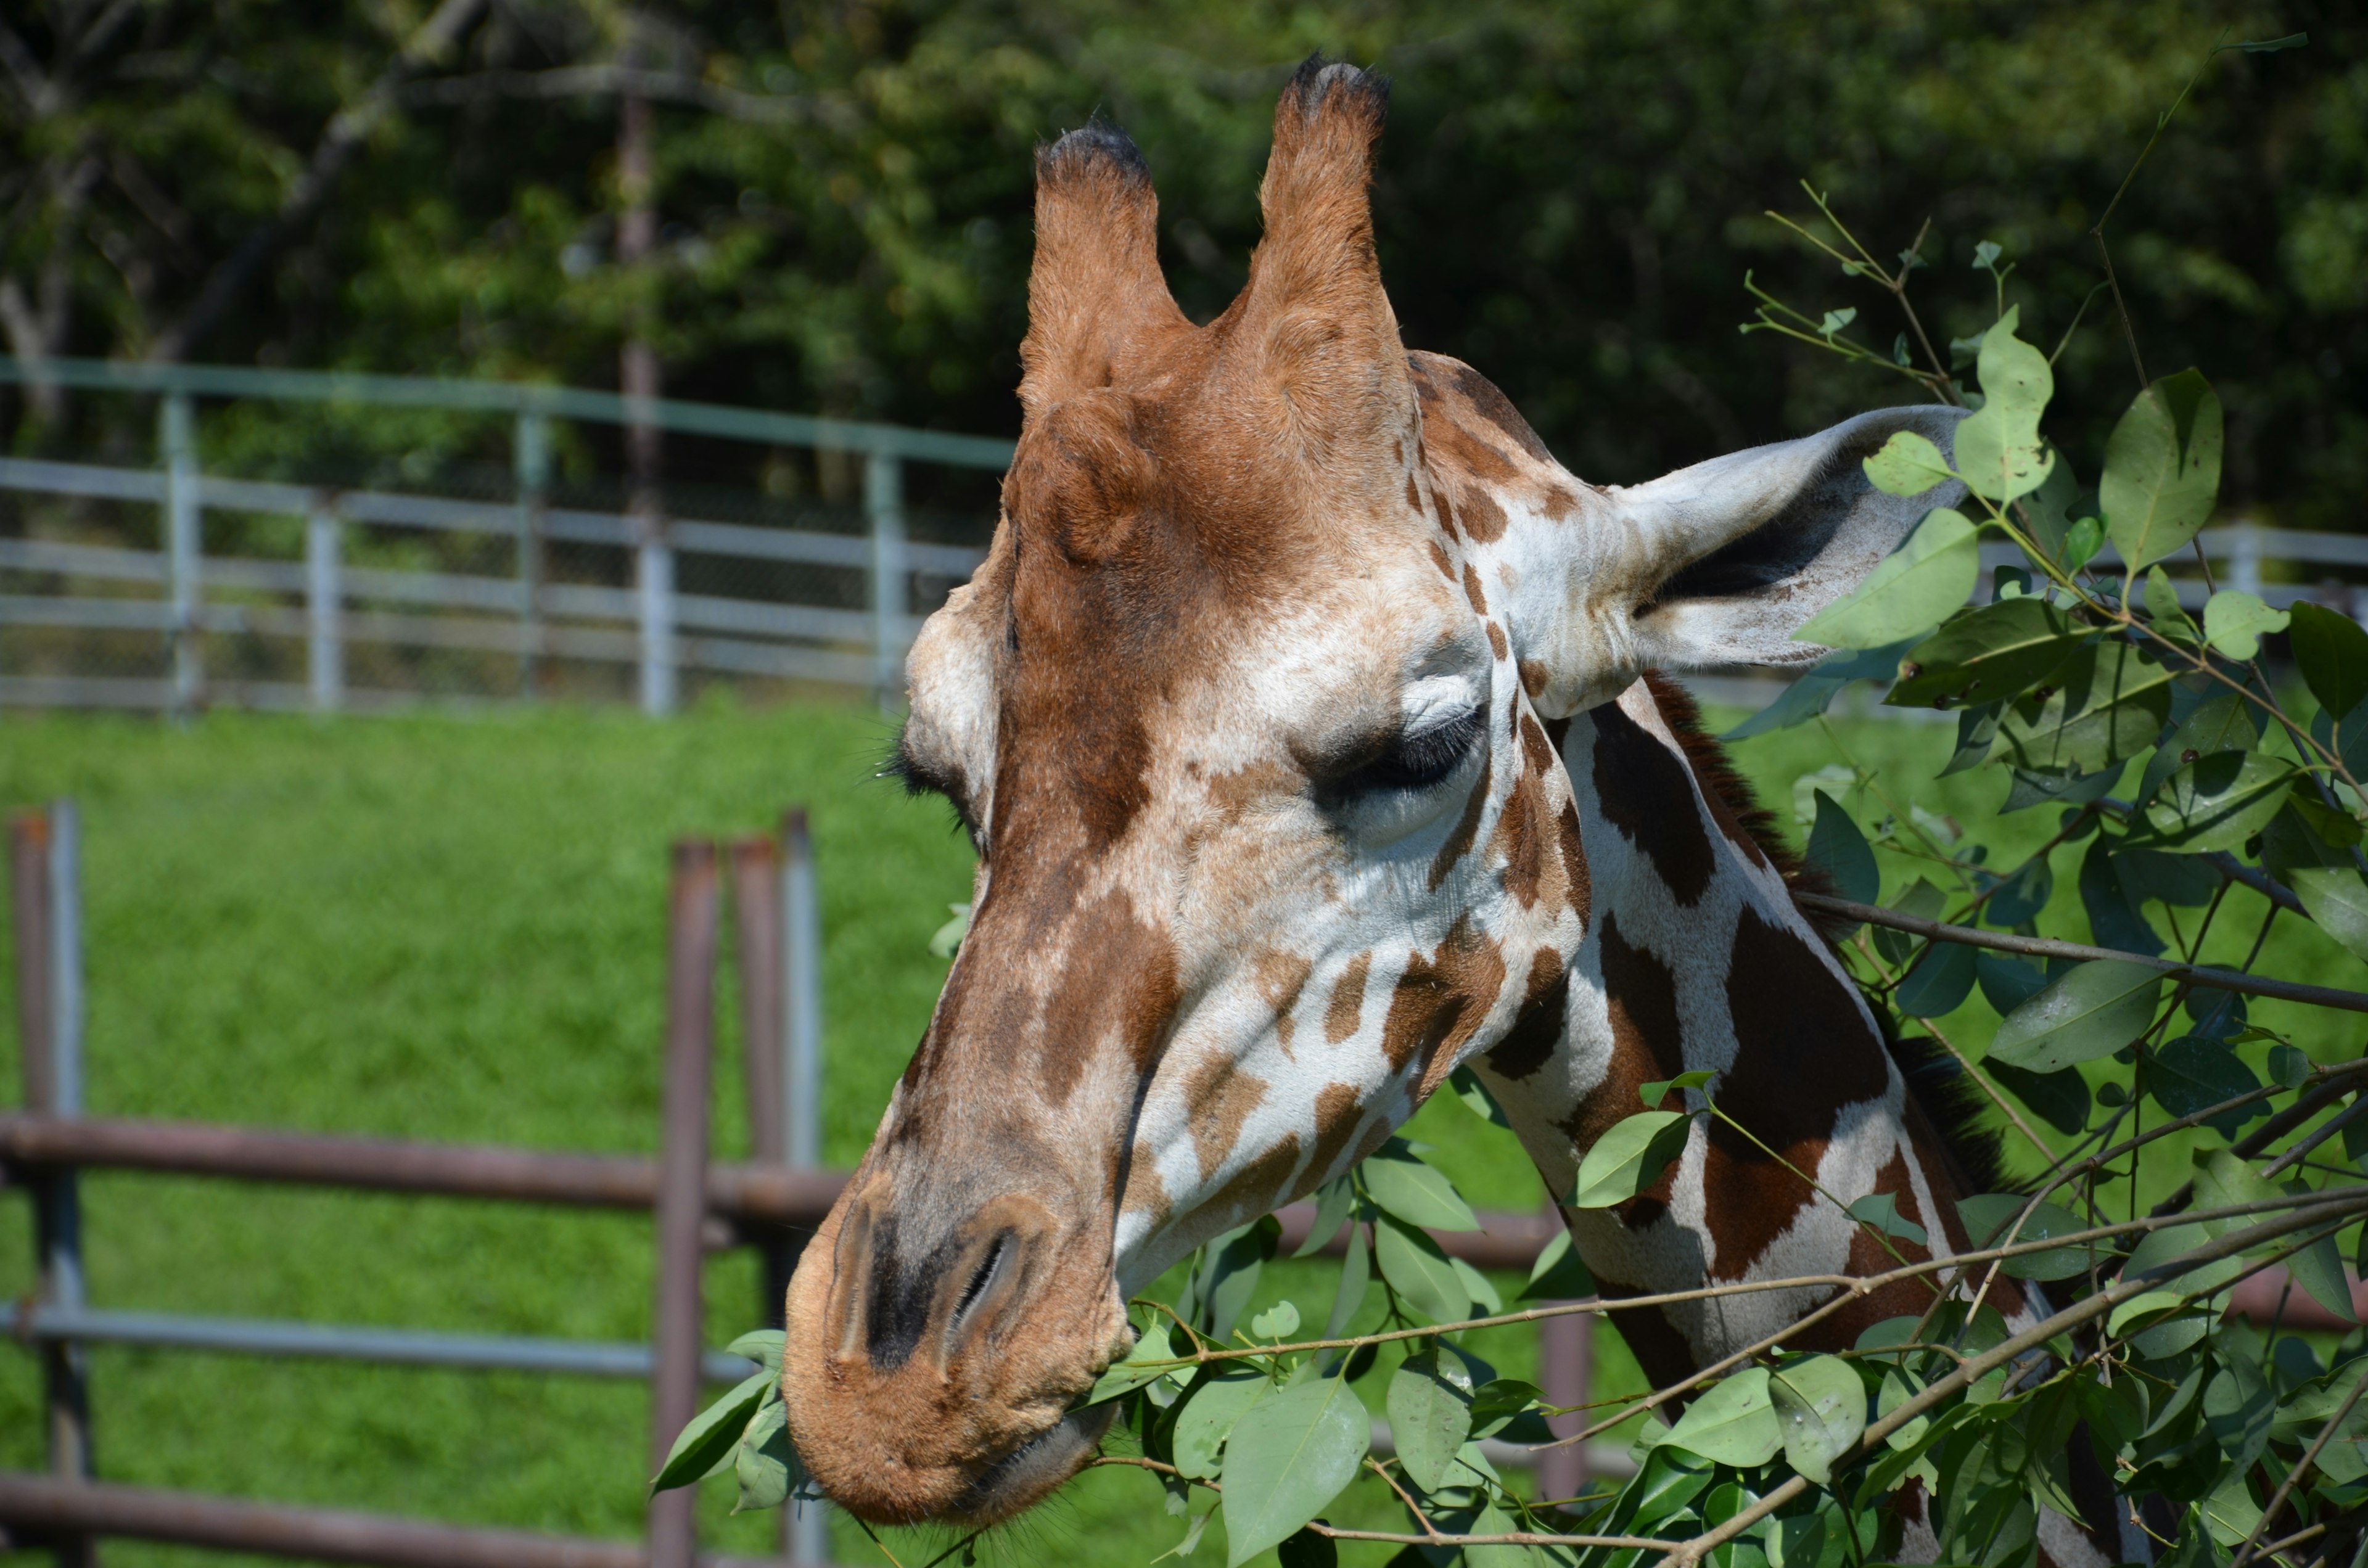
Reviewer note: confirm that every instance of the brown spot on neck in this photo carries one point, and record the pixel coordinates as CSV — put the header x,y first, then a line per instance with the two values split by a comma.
x,y
1340,1117
1441,1001
1484,520
1538,1028
1261,1184
1644,789
1347,1008
1281,977
1497,643
1802,1052
1473,591
1218,1097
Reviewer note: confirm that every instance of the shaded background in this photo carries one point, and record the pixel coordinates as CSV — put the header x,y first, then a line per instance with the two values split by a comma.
x,y
1569,196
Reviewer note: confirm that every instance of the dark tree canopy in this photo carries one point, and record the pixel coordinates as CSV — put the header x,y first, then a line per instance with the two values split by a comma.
x,y
1569,196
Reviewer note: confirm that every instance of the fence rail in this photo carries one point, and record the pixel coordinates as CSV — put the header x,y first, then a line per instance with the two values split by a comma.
x,y
650,626
699,1206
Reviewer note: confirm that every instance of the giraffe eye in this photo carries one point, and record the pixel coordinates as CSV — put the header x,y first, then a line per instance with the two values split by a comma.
x,y
1410,760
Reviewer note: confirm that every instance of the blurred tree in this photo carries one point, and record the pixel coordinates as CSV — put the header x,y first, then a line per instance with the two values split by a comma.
x,y
1569,195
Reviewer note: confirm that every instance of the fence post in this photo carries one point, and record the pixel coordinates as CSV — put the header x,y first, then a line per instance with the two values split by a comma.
x,y
682,1185
530,452
176,435
805,1527
883,509
1565,1370
325,605
656,574
2245,557
45,877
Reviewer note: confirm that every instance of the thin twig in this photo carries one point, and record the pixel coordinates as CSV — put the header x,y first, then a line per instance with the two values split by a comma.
x,y
2205,975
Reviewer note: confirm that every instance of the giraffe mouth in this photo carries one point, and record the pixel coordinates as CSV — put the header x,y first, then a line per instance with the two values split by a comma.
x,y
1029,1473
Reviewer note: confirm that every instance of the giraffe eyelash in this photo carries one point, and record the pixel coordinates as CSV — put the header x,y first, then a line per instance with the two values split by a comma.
x,y
919,778
1410,761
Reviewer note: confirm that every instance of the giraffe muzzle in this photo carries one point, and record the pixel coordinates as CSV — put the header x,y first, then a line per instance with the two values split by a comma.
x,y
934,1349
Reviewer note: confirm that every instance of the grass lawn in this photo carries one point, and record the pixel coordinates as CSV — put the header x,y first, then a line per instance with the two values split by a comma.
x,y
451,927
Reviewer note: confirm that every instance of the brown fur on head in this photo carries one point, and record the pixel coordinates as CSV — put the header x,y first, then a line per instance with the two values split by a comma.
x,y
961,1294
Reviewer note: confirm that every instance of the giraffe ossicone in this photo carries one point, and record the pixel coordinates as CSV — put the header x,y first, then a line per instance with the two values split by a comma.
x,y
1298,715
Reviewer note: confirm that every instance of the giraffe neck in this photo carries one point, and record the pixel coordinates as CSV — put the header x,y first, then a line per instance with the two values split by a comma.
x,y
1695,958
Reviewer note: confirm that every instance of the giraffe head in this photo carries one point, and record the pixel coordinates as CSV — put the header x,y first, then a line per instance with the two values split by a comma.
x,y
1245,714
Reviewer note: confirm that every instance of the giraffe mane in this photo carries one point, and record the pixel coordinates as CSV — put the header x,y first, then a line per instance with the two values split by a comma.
x,y
1953,1107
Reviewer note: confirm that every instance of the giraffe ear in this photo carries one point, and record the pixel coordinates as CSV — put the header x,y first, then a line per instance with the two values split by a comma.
x,y
1313,325
1721,563
1096,288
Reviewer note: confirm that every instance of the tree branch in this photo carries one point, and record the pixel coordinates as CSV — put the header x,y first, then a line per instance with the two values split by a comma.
x,y
348,129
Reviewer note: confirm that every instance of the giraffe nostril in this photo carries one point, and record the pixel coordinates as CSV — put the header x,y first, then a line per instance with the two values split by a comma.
x,y
981,1279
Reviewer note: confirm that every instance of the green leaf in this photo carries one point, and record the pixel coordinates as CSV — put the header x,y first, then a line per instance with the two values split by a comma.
x,y
1559,1274
1820,1409
1652,1094
1735,1423
2092,1012
1914,587
1990,1215
761,1345
1630,1157
2060,1098
1396,1178
1999,448
1431,1415
1284,1467
1938,984
2163,609
2220,801
2332,653
1476,1098
2346,736
2337,900
1485,1300
1418,1271
766,1464
2235,622
1279,1321
1881,1210
1235,1261
2082,541
2162,468
2114,918
1839,849
1356,1280
2019,899
1126,1376
1997,651
2007,981
1333,1201
948,937
2112,704
712,1434
1210,1413
2191,1074
1908,465
1899,1386
2318,1269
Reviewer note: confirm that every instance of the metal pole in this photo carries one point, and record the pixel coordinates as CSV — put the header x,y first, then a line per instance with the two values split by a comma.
x,y
757,914
45,866
531,451
801,996
883,508
656,573
682,1185
1565,1370
805,1527
325,601
176,435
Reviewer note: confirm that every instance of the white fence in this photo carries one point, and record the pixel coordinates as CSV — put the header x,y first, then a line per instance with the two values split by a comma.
x,y
185,596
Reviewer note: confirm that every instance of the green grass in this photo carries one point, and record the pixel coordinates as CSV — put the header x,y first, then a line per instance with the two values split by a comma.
x,y
453,927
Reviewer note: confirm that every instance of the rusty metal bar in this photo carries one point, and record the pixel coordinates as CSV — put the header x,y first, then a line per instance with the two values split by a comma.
x,y
29,896
1565,1372
31,1505
801,963
757,926
682,1185
737,1192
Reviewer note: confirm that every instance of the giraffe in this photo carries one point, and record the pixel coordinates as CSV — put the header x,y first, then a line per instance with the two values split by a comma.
x,y
1300,718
